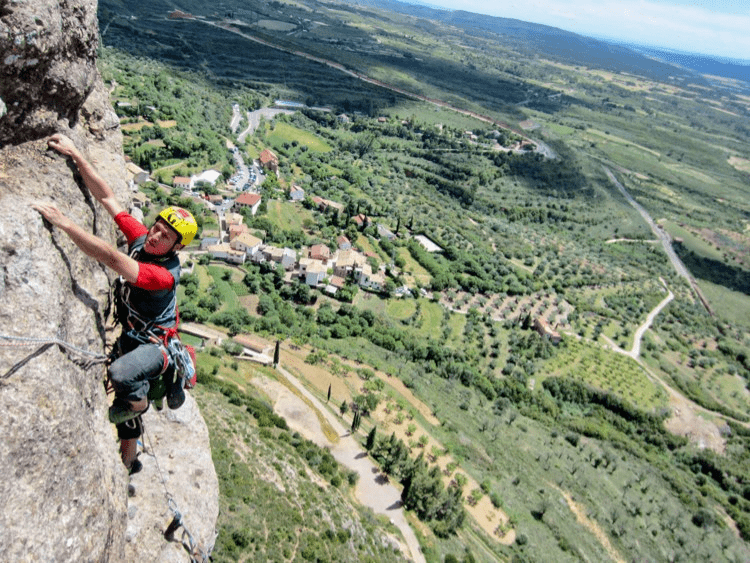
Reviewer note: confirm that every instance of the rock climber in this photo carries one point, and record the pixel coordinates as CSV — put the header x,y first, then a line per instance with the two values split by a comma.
x,y
145,296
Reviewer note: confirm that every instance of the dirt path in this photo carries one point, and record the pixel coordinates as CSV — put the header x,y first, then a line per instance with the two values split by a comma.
x,y
491,519
688,419
590,525
372,490
635,351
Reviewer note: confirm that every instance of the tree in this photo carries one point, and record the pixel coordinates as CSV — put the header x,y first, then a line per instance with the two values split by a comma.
x,y
388,288
276,354
371,438
356,420
364,143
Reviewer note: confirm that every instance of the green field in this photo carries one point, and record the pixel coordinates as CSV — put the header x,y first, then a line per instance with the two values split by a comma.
x,y
400,309
431,318
607,371
228,297
287,216
281,133
692,241
419,274
731,305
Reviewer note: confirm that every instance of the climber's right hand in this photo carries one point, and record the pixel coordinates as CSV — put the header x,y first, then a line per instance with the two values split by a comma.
x,y
62,144
53,215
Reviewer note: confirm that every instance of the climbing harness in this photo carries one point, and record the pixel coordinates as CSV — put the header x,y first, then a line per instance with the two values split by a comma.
x,y
44,345
197,555
150,332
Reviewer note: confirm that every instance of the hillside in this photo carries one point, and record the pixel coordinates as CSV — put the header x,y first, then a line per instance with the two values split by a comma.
x,y
593,473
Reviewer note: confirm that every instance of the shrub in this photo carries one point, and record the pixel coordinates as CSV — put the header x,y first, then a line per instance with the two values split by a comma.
x,y
573,439
703,518
495,500
241,538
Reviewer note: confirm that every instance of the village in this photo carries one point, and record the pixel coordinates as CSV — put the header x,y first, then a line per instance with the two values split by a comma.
x,y
317,265
329,268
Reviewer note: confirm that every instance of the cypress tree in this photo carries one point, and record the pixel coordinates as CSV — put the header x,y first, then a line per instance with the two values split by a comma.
x,y
370,443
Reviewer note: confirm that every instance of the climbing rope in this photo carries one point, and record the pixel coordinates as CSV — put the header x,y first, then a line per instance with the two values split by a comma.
x,y
44,345
197,555
24,341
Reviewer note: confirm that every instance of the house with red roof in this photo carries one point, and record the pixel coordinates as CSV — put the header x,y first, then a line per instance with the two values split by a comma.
x,y
268,160
320,252
251,201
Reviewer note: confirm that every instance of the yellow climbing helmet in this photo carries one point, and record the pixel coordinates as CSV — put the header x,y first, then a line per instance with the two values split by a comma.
x,y
182,221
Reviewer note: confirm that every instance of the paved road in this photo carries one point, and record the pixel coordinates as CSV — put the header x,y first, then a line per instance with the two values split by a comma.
x,y
661,234
372,490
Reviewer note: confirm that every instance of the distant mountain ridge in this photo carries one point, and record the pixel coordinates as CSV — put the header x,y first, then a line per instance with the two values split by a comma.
x,y
703,64
574,48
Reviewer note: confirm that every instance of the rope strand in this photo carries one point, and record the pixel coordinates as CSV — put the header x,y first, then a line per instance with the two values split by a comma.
x,y
190,545
25,341
44,344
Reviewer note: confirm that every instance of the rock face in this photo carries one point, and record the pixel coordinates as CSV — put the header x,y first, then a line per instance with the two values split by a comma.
x,y
178,475
48,64
63,489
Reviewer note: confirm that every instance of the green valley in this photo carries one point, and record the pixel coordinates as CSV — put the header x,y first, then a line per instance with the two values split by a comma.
x,y
512,380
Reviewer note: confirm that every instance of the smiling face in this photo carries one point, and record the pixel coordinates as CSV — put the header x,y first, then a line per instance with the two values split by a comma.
x,y
161,239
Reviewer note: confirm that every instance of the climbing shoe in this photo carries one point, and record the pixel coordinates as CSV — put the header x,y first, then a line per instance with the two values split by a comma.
x,y
135,467
121,411
175,393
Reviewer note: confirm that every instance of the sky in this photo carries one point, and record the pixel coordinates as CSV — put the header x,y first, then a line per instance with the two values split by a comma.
x,y
713,27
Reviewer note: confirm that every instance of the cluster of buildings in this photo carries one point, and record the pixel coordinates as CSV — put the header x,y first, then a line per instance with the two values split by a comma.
x,y
317,265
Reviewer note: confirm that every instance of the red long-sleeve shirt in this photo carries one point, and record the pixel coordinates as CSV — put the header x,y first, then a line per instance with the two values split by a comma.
x,y
151,277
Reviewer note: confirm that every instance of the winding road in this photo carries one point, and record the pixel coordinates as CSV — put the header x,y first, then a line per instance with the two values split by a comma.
x,y
635,351
372,490
660,233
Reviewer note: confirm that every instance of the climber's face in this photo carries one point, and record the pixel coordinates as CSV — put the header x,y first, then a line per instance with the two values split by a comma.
x,y
161,239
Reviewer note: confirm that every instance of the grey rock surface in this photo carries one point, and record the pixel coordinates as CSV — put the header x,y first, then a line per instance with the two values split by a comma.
x,y
178,476
48,64
63,489
60,477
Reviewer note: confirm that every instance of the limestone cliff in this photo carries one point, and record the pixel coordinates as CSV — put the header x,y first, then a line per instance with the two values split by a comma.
x,y
63,490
